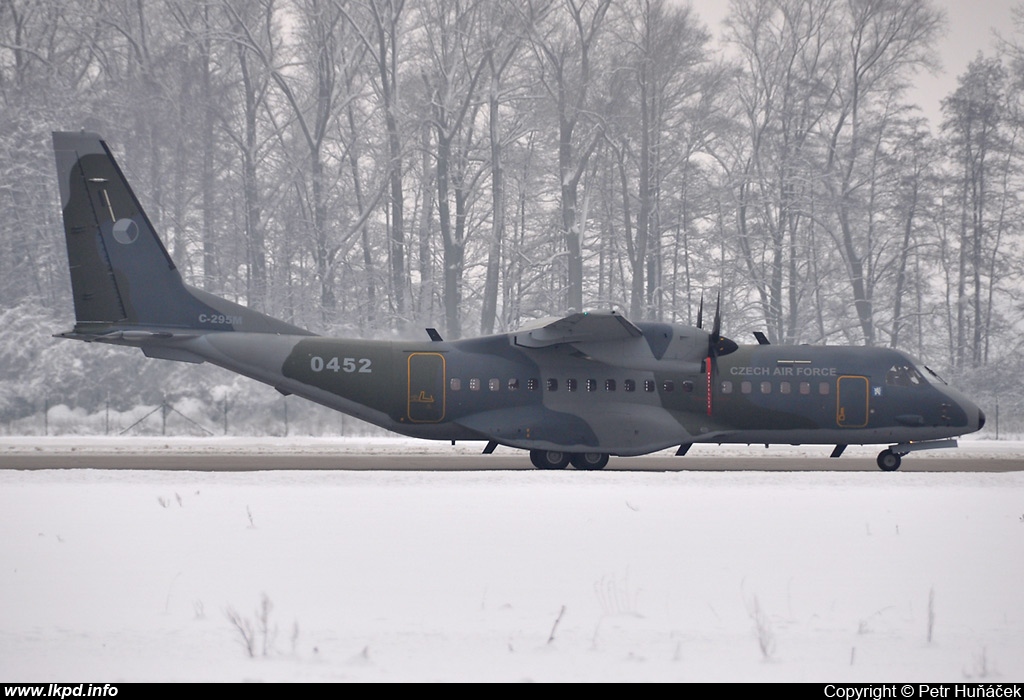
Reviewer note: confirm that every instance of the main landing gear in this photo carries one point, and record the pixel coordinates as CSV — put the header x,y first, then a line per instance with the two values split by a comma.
x,y
553,459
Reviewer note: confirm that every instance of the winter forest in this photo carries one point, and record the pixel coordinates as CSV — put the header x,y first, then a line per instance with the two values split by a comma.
x,y
373,167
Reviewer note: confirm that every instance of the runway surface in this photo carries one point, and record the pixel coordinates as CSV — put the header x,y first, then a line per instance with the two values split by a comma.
x,y
183,461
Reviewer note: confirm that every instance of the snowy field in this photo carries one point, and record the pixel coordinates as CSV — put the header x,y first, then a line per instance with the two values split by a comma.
x,y
136,575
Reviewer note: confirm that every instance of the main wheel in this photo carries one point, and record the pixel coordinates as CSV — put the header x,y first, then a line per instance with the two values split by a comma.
x,y
888,461
549,459
589,461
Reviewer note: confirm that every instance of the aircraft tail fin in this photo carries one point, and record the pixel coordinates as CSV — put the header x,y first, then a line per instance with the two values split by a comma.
x,y
121,274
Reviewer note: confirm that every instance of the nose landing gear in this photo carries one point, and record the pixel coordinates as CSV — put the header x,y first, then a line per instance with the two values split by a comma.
x,y
889,461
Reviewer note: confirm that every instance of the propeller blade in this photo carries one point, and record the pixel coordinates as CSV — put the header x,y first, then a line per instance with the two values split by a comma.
x,y
700,312
716,331
717,345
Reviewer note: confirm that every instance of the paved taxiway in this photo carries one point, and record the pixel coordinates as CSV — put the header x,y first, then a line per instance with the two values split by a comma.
x,y
178,461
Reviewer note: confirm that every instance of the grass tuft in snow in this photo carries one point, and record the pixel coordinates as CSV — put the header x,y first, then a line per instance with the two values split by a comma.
x,y
931,614
257,634
615,597
554,627
981,670
762,629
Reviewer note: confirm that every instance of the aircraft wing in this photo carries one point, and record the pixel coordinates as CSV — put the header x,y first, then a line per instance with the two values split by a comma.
x,y
587,326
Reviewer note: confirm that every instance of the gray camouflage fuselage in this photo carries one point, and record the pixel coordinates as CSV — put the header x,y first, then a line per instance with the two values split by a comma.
x,y
588,383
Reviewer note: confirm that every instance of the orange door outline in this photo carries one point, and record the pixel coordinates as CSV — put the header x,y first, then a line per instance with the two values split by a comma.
x,y
852,398
426,378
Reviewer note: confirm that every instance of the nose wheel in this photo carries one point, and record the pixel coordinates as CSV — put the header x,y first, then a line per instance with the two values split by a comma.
x,y
889,461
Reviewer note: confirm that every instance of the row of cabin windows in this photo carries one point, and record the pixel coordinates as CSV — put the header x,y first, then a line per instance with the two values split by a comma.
x,y
766,387
552,384
648,385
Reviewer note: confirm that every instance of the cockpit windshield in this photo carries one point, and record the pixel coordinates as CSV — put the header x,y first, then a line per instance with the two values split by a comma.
x,y
904,374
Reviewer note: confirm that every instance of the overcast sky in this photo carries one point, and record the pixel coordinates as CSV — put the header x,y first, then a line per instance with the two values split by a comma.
x,y
970,25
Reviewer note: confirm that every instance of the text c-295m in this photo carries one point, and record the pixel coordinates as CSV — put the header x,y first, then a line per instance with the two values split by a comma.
x,y
220,319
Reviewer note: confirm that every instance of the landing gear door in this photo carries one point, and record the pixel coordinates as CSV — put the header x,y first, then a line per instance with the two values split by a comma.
x,y
852,402
426,397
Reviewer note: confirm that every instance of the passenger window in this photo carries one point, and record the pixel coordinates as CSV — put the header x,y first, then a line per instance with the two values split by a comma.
x,y
668,385
785,388
456,384
805,388
532,384
766,387
746,387
474,385
726,387
688,387
824,388
513,384
628,385
648,385
552,384
591,385
570,384
609,385
494,384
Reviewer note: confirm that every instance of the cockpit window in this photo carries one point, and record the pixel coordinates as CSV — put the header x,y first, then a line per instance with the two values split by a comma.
x,y
904,375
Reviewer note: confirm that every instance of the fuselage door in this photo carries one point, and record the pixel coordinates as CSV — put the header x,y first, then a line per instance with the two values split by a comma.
x,y
426,397
852,402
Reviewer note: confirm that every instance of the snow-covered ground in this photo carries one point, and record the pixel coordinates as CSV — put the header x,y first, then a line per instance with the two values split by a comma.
x,y
507,575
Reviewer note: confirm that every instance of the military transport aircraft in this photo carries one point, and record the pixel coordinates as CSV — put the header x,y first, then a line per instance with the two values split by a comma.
x,y
570,390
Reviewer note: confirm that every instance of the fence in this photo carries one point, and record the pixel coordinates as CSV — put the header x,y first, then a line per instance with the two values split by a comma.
x,y
281,417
